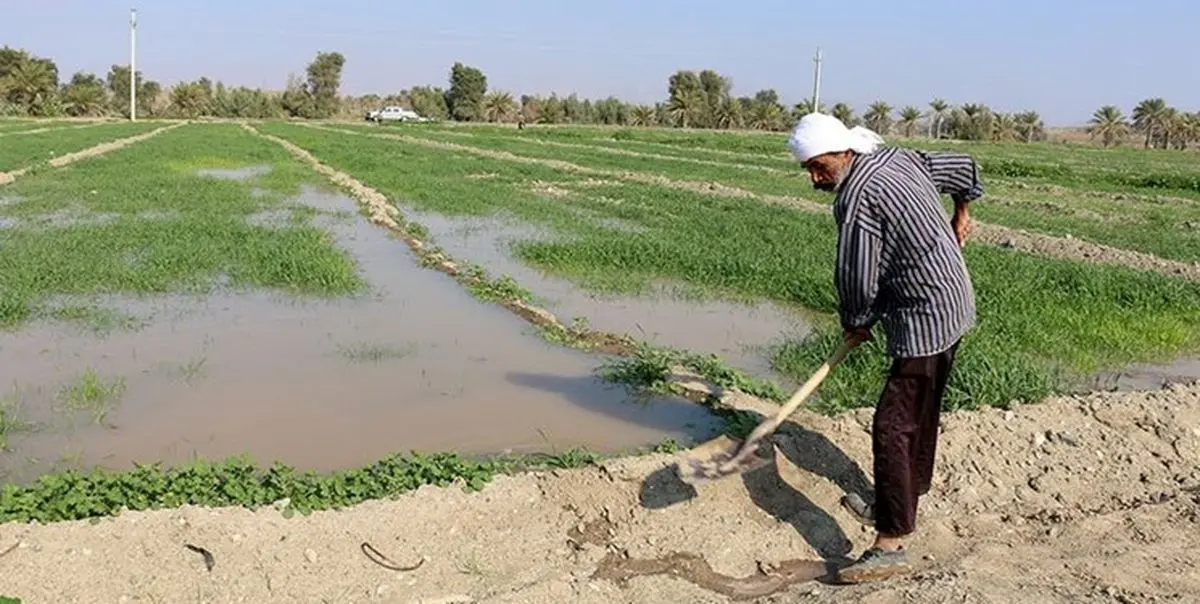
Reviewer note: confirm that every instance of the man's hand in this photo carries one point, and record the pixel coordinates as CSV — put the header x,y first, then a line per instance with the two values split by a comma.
x,y
961,223
857,335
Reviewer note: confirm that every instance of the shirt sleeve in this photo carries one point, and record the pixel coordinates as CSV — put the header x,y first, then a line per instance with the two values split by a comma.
x,y
860,241
954,174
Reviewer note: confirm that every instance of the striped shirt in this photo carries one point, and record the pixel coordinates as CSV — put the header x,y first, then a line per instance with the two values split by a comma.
x,y
898,261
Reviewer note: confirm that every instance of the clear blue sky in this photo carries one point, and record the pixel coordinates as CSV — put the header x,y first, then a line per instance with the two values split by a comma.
x,y
1062,58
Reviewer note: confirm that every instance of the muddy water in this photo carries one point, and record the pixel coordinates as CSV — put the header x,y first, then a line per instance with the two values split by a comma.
x,y
1149,377
738,333
416,364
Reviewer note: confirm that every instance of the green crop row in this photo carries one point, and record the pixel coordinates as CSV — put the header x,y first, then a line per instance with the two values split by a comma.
x,y
29,150
1161,229
1075,166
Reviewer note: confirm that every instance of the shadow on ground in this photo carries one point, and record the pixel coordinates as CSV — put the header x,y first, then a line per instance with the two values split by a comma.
x,y
806,449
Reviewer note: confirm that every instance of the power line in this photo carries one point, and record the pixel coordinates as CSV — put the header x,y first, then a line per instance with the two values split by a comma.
x,y
133,64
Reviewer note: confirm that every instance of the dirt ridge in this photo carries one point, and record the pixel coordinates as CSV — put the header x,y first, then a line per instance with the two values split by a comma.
x,y
93,151
986,233
51,129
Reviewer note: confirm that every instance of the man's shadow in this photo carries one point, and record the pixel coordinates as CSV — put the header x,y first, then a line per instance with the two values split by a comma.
x,y
804,448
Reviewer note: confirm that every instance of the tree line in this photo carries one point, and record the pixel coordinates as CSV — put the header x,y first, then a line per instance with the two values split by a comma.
x,y
30,85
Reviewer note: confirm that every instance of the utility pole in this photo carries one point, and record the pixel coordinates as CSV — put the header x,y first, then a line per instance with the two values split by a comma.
x,y
133,64
816,95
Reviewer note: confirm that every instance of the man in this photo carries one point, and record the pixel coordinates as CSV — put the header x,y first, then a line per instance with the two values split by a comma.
x,y
899,261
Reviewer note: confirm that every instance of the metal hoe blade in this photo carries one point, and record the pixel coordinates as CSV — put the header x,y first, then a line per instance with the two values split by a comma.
x,y
710,461
718,458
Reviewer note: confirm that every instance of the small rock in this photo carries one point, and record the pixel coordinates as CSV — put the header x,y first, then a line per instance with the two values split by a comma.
x,y
311,556
382,590
236,537
1039,439
1009,416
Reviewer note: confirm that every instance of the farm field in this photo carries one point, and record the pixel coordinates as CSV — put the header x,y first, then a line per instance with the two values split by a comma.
x,y
468,292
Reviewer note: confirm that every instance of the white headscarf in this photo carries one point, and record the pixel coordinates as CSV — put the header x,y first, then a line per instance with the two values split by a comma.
x,y
817,134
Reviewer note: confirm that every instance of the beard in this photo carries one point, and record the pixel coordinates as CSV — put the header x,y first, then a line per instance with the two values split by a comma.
x,y
832,184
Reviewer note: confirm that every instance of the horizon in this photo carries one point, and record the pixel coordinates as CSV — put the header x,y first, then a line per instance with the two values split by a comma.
x,y
1111,56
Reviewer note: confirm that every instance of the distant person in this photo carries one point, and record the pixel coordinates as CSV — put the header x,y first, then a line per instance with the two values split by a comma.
x,y
899,261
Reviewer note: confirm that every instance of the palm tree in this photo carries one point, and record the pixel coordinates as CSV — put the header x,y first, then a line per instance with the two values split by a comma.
x,y
687,108
31,83
1030,125
643,115
908,120
499,106
728,114
1109,124
765,116
977,121
844,113
937,111
879,117
804,108
1149,118
1004,127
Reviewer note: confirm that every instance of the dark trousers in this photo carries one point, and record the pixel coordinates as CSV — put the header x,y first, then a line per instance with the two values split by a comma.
x,y
904,438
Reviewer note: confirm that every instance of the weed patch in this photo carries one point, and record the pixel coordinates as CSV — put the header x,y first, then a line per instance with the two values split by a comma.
x,y
74,495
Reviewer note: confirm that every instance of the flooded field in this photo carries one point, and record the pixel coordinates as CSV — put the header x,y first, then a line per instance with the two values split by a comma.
x,y
742,333
416,364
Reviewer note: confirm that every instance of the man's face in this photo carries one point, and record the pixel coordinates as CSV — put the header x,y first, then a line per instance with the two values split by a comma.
x,y
828,170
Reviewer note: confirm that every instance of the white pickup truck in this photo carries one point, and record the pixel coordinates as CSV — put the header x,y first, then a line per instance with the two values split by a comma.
x,y
394,113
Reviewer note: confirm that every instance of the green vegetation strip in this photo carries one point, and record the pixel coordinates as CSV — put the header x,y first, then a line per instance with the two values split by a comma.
x,y
757,181
29,150
142,221
72,495
1041,320
1168,231
1172,172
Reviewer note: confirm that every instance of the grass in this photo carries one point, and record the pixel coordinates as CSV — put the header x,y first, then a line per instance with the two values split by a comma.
x,y
792,181
27,150
1168,227
197,237
1120,169
1041,321
12,415
93,394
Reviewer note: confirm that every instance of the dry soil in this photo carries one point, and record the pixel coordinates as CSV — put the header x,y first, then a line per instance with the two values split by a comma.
x,y
1083,499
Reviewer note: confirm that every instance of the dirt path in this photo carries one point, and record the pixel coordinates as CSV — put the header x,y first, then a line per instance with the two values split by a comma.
x,y
93,151
1090,499
985,233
